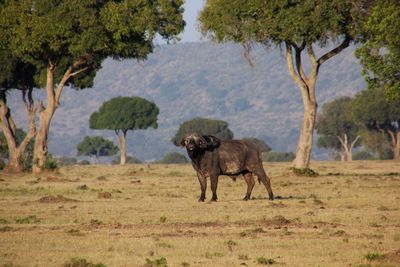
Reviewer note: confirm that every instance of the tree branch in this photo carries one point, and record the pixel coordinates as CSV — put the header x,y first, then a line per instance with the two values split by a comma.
x,y
335,51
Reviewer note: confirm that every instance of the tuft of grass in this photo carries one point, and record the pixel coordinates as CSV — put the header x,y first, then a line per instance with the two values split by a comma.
x,y
210,255
79,262
4,221
243,257
27,220
306,172
265,261
373,256
163,219
83,187
75,232
160,262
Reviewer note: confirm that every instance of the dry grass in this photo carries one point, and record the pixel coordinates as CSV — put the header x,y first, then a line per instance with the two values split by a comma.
x,y
130,215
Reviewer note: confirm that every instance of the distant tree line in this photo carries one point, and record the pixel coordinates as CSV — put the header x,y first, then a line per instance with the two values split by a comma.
x,y
368,119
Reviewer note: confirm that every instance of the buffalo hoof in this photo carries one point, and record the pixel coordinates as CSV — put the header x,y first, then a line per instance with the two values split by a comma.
x,y
201,199
214,199
271,197
246,198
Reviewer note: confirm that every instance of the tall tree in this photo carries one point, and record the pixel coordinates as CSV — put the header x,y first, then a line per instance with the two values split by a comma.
x,y
379,114
337,129
16,75
300,26
69,39
122,114
217,128
96,146
380,53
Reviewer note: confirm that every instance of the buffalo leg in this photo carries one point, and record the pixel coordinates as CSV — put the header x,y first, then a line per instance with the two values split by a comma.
x,y
265,180
214,183
203,186
248,177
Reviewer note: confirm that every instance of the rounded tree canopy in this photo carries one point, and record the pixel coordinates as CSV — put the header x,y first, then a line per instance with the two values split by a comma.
x,y
264,21
96,146
83,33
125,113
260,144
217,128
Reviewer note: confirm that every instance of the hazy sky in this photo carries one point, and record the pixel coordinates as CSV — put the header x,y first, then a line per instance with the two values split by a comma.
x,y
192,8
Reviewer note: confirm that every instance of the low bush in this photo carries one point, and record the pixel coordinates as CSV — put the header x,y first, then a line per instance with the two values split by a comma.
x,y
173,157
275,156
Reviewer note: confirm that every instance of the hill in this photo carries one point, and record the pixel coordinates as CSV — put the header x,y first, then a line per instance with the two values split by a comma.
x,y
200,80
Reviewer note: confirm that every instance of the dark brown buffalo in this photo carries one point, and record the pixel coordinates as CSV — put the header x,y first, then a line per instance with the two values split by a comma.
x,y
212,157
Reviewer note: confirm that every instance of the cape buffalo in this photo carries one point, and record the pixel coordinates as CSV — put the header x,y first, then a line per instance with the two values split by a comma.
x,y
212,157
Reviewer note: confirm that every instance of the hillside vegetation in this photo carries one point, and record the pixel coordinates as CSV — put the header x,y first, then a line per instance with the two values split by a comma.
x,y
200,80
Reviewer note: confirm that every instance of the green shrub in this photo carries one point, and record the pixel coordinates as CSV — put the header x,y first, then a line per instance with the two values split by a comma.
x,y
129,160
84,162
363,155
274,156
50,163
76,262
373,256
66,161
2,164
173,157
161,262
303,172
265,261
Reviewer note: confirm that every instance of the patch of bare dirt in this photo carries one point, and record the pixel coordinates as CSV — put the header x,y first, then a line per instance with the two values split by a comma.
x,y
101,178
393,256
56,199
104,195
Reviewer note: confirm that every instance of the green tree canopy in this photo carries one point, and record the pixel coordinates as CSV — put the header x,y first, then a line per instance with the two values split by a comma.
x,y
122,114
260,144
380,53
96,146
172,158
379,114
337,128
125,113
203,126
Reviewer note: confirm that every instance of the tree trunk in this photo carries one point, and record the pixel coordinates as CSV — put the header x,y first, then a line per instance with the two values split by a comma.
x,y
304,146
16,151
395,144
40,148
122,145
46,113
45,116
306,84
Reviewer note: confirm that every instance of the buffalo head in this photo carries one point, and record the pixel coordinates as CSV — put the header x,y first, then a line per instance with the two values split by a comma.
x,y
193,141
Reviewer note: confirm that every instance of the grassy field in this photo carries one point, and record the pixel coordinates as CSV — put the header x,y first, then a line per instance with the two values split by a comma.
x,y
148,214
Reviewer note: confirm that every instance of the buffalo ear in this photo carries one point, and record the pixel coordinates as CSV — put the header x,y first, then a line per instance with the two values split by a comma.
x,y
212,141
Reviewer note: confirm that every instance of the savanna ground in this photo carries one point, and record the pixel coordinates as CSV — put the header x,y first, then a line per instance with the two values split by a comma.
x,y
137,214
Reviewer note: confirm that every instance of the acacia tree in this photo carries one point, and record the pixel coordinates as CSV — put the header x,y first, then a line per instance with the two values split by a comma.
x,y
69,39
217,128
298,25
337,129
122,114
96,146
379,114
380,54
16,75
